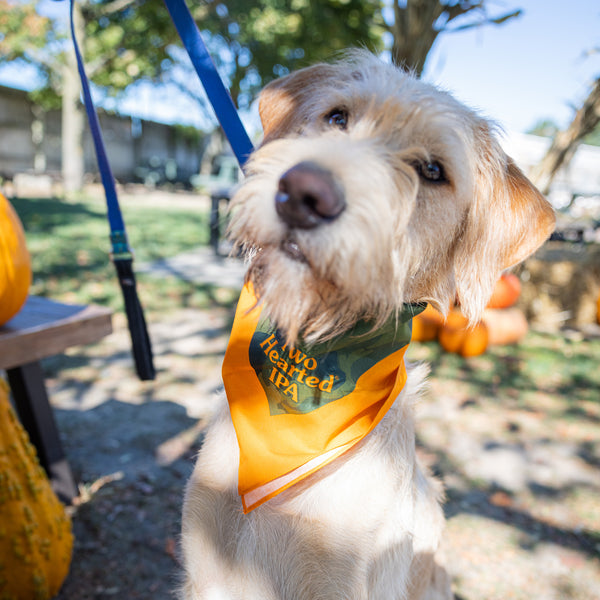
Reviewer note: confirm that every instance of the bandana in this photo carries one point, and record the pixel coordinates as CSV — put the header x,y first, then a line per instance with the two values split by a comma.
x,y
295,409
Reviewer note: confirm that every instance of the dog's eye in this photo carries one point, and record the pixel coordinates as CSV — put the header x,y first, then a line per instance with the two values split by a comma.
x,y
338,117
431,171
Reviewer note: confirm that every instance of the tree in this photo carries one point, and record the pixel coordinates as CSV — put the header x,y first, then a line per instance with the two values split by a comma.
x,y
126,41
254,42
544,128
29,37
417,24
565,142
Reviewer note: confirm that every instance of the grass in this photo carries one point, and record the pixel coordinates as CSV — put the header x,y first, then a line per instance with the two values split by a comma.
x,y
69,246
542,365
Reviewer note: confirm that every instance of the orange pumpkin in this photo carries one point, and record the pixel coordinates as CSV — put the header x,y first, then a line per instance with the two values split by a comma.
x,y
15,264
425,325
506,292
505,325
457,336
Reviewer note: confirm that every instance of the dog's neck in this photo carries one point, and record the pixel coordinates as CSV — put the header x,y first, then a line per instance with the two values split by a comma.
x,y
297,408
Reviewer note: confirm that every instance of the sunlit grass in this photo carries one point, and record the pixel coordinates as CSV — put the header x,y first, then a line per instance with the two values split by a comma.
x,y
69,247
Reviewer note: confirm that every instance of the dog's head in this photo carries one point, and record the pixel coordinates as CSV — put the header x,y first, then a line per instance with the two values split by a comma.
x,y
372,189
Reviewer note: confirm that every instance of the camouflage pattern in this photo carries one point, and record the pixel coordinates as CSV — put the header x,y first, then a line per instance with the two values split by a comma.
x,y
301,379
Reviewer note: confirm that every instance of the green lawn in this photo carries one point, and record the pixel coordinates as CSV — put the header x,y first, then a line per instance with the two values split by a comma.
x,y
69,246
530,375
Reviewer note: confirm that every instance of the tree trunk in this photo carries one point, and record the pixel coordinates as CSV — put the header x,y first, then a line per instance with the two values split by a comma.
x,y
72,120
417,23
413,33
71,133
566,142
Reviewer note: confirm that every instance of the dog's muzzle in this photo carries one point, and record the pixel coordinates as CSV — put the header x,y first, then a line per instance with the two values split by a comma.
x,y
308,196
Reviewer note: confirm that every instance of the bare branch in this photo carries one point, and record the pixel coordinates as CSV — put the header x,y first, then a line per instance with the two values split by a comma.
x,y
417,23
461,8
487,21
566,142
107,9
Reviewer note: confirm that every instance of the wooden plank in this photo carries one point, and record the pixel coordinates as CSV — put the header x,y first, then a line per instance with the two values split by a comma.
x,y
44,328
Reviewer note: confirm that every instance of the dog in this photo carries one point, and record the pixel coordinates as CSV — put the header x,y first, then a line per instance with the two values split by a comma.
x,y
371,194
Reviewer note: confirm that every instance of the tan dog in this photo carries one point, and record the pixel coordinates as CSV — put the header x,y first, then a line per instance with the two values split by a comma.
x,y
371,189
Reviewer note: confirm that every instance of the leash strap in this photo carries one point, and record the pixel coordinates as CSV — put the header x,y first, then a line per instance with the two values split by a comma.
x,y
121,255
213,85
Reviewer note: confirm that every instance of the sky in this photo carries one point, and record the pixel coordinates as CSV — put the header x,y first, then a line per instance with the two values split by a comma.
x,y
531,68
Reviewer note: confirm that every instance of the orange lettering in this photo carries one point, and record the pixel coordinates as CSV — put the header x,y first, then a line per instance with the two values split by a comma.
x,y
296,355
327,384
312,362
281,380
312,381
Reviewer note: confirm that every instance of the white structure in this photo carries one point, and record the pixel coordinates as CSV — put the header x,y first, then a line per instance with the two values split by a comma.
x,y
581,178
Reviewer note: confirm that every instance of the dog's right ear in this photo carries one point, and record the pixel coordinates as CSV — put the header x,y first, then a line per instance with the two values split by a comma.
x,y
287,103
508,220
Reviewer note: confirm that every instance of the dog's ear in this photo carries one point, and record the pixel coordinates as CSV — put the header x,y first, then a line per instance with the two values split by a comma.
x,y
508,220
532,211
288,102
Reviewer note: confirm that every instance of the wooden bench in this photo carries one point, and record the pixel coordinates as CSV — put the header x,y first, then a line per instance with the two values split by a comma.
x,y
41,329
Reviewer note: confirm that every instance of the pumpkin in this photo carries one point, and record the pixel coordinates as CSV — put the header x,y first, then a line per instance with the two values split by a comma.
x,y
425,325
15,265
35,532
505,325
457,336
506,291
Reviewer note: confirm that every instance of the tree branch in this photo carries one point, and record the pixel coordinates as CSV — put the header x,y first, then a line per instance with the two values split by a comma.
x,y
487,21
104,10
565,143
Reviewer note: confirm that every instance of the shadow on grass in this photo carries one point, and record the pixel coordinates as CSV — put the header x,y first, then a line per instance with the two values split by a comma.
x,y
70,249
556,380
44,215
491,501
542,363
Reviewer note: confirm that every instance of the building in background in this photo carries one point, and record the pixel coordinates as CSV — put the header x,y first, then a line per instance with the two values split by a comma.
x,y
138,150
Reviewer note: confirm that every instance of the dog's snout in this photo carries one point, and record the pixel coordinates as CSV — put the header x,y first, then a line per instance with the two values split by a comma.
x,y
308,196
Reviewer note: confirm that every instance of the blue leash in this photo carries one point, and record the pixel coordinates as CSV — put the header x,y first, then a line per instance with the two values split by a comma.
x,y
121,255
213,85
229,120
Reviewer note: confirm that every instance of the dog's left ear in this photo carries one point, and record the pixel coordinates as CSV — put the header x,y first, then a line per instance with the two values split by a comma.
x,y
508,220
287,103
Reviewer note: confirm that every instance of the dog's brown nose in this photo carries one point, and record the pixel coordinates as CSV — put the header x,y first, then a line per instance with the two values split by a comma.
x,y
308,196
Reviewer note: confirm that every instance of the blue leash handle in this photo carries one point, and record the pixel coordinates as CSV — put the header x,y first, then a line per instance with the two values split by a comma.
x,y
122,255
213,85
